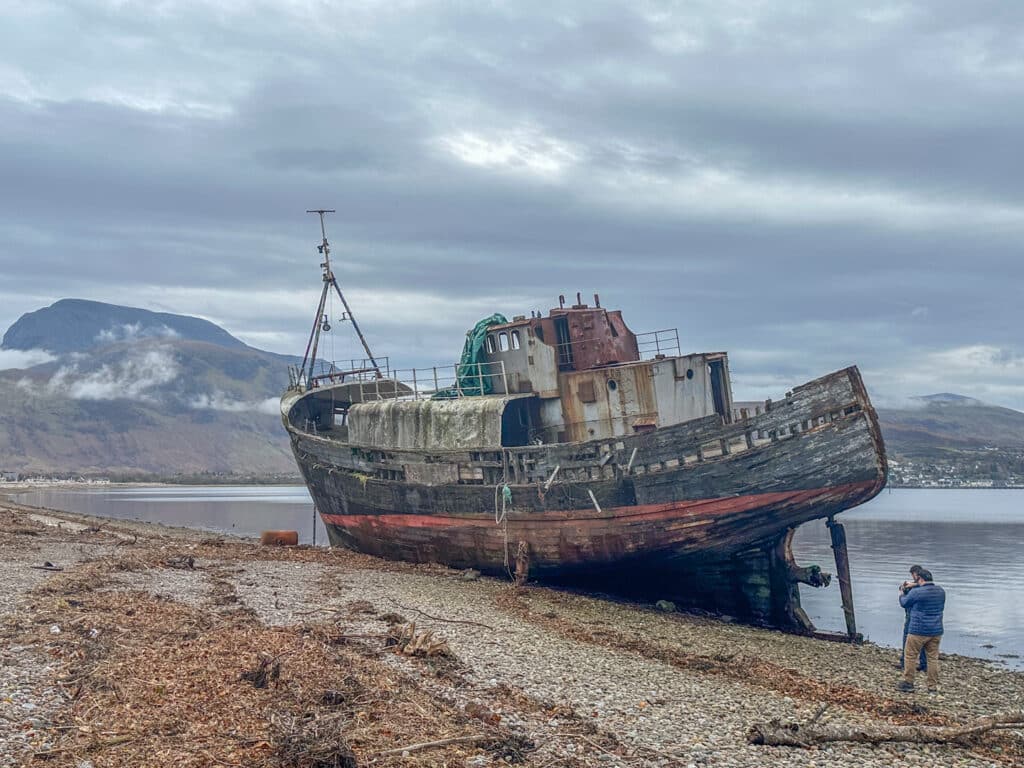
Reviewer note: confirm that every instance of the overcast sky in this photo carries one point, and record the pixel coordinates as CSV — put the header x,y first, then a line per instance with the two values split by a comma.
x,y
805,184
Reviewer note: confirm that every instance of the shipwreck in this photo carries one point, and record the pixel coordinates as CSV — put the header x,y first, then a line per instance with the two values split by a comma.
x,y
565,446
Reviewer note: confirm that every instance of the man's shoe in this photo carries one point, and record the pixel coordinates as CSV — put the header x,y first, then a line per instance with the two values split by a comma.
x,y
904,686
933,691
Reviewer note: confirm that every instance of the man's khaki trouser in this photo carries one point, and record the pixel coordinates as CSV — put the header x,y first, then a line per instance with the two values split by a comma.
x,y
931,651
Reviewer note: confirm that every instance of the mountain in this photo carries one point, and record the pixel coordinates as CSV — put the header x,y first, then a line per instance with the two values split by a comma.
x,y
133,392
77,325
949,440
946,420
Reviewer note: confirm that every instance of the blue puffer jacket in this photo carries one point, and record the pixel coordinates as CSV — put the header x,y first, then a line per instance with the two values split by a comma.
x,y
925,604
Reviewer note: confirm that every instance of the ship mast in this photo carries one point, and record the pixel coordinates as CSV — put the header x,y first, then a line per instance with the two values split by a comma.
x,y
320,322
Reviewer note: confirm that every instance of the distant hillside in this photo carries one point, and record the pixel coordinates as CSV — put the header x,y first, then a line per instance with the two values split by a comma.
x,y
77,325
134,391
945,420
949,440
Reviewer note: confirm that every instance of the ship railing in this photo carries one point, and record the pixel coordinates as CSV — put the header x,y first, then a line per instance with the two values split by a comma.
x,y
436,382
339,371
663,342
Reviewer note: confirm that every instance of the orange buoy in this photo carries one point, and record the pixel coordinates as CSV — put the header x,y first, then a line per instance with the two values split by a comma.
x,y
279,538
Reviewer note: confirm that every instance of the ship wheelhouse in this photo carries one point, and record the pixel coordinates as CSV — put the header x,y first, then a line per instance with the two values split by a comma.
x,y
593,378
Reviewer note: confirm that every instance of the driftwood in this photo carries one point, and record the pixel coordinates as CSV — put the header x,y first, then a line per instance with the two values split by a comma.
x,y
432,744
408,641
268,668
47,566
779,734
433,618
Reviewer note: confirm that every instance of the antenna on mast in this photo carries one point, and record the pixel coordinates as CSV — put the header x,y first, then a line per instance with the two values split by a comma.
x,y
320,321
324,248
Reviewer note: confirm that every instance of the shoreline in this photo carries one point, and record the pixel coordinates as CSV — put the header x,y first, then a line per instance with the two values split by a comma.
x,y
157,626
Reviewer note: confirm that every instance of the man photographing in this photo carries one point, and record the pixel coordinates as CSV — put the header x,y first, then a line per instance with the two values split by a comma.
x,y
926,601
906,586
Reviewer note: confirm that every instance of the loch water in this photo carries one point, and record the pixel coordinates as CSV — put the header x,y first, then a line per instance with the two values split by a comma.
x,y
970,539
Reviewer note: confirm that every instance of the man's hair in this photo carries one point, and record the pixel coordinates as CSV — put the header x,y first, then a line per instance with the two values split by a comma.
x,y
916,569
924,575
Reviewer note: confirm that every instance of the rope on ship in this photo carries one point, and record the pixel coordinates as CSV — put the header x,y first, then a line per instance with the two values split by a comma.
x,y
501,517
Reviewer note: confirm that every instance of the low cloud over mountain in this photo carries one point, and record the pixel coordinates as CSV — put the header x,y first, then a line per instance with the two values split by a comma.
x,y
135,392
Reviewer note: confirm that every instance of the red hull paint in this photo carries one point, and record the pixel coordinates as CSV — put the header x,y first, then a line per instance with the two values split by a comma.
x,y
560,539
700,508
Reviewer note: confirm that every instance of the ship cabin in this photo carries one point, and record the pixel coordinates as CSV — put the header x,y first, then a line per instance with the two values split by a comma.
x,y
579,374
592,378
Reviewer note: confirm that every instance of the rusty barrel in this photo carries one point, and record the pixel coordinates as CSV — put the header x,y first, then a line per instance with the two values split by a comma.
x,y
279,538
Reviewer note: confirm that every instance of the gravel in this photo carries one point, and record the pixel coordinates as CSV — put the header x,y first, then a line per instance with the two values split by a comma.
x,y
28,696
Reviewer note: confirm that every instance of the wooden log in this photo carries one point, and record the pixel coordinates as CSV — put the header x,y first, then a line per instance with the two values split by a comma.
x,y
779,734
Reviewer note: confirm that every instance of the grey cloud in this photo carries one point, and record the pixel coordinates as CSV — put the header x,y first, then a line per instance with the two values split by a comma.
x,y
18,358
175,171
136,377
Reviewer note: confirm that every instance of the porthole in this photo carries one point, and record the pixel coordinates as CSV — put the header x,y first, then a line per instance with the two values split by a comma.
x,y
613,384
689,373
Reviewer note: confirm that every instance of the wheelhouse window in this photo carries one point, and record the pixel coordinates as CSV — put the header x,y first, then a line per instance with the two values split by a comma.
x,y
515,339
490,344
503,342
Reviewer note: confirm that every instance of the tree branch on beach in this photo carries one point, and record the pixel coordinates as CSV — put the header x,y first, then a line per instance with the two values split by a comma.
x,y
779,734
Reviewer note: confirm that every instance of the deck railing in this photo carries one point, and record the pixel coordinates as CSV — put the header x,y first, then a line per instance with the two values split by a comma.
x,y
439,382
325,372
654,343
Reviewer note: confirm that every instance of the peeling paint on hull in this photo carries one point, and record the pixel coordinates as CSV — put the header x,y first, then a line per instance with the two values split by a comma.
x,y
562,540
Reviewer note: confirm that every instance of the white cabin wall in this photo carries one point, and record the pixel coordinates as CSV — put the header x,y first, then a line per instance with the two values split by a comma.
x,y
531,368
646,394
543,366
680,398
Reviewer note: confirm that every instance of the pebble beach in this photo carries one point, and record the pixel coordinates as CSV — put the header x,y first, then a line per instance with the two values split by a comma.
x,y
137,644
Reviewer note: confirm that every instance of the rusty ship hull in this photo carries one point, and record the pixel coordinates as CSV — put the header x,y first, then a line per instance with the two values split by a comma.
x,y
703,500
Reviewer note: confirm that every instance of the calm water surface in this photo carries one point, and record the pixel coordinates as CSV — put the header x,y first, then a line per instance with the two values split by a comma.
x,y
242,510
971,540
